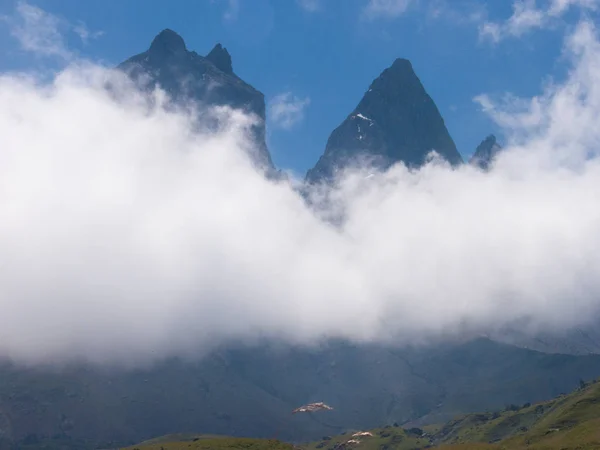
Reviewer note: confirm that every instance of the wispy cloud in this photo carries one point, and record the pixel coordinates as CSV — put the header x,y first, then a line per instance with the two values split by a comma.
x,y
528,16
43,33
38,31
563,116
457,12
387,8
310,5
233,10
286,110
84,33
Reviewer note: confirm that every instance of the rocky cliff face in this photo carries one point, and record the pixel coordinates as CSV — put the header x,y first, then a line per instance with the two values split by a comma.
x,y
396,121
485,153
208,81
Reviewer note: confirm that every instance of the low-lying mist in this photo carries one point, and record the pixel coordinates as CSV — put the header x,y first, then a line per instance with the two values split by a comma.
x,y
126,237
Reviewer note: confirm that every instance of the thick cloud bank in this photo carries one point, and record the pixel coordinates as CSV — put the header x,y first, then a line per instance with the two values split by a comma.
x,y
124,236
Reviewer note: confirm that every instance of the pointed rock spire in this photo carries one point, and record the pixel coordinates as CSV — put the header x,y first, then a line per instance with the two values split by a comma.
x,y
396,121
221,58
187,76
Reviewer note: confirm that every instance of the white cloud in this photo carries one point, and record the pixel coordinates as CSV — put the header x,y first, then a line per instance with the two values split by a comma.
x,y
527,16
563,117
387,8
287,110
43,33
124,237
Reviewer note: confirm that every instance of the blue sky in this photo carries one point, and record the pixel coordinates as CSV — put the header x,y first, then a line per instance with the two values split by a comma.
x,y
321,55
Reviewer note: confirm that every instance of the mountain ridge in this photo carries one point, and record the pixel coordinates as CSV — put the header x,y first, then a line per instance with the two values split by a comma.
x,y
207,80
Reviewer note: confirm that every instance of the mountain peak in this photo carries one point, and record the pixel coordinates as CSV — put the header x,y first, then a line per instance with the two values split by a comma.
x,y
168,42
221,58
490,140
396,121
402,64
207,81
399,80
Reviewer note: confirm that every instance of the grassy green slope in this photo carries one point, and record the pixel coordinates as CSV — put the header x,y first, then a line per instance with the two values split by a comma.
x,y
215,443
567,422
383,438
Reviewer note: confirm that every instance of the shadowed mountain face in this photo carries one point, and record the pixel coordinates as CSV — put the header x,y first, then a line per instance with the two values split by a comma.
x,y
485,153
396,121
252,391
565,422
208,81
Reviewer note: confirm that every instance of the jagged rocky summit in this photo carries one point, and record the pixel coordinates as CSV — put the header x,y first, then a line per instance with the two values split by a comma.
x,y
485,153
396,121
207,80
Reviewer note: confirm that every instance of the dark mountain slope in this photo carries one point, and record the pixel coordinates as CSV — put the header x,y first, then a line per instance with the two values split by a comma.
x,y
565,422
251,392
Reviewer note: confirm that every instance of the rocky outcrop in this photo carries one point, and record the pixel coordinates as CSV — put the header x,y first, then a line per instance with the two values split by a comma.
x,y
485,153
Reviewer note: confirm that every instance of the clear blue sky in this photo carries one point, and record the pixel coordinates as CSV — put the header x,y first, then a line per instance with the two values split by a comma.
x,y
329,54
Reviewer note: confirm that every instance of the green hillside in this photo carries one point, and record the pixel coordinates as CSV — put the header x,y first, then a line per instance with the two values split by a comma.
x,y
567,422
